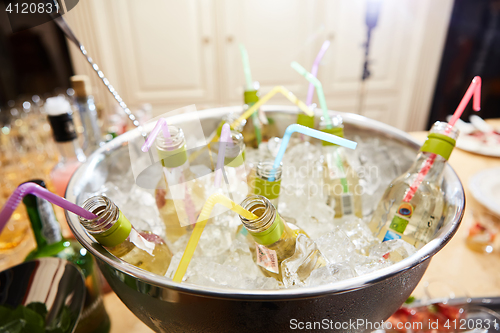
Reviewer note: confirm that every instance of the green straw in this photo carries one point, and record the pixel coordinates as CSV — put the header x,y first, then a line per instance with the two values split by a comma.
x,y
319,90
249,82
246,67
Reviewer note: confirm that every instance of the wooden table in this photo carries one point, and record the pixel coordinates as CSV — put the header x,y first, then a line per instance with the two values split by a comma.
x,y
478,274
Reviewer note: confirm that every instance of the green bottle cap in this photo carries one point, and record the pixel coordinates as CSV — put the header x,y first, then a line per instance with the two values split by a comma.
x,y
173,158
305,120
117,234
266,188
235,162
439,144
271,235
251,97
338,131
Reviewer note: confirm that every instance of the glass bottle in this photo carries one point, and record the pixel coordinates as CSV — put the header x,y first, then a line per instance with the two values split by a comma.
x,y
234,167
340,179
88,113
50,243
275,239
58,111
112,230
416,218
263,186
179,195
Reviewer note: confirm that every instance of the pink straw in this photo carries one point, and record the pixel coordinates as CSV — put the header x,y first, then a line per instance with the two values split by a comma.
x,y
32,188
225,139
474,89
161,124
314,70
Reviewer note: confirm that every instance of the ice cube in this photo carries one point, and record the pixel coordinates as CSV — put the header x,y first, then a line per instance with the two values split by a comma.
x,y
214,240
316,219
262,282
359,233
297,268
240,257
394,250
336,246
214,274
329,274
367,264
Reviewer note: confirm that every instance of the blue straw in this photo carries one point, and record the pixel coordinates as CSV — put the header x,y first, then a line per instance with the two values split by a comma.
x,y
312,133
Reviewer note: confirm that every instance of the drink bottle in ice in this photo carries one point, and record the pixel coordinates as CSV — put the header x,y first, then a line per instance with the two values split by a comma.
x,y
179,195
115,232
276,242
412,206
340,179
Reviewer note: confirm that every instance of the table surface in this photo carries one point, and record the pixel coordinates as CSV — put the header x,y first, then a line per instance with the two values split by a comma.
x,y
475,273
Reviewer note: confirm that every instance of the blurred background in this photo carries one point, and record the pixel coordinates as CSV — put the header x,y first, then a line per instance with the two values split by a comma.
x,y
421,55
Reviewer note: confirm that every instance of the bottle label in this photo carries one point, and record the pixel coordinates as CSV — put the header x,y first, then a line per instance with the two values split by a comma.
x,y
267,258
347,204
51,230
400,221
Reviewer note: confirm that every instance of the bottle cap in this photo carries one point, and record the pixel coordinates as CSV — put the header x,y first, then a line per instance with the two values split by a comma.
x,y
81,85
262,185
117,234
440,143
172,151
251,96
337,129
271,235
61,121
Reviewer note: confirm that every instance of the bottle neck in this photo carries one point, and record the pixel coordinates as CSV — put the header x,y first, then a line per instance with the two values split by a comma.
x,y
268,227
70,151
436,168
111,227
88,115
43,221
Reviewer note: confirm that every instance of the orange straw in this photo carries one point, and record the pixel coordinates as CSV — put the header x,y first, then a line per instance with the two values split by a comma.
x,y
473,90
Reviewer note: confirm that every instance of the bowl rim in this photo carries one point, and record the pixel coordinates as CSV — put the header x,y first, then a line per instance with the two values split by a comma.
x,y
426,252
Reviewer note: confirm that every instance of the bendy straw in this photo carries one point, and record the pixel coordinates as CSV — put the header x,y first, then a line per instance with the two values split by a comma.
x,y
474,89
310,132
278,89
249,87
225,140
161,124
319,90
32,188
216,198
246,67
314,70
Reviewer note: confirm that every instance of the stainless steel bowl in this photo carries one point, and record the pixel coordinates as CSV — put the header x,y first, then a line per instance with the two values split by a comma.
x,y
166,306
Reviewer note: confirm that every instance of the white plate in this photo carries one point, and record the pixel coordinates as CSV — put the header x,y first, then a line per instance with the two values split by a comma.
x,y
485,188
472,144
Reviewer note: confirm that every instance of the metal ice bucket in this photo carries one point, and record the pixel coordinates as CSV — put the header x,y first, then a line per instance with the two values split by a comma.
x,y
166,306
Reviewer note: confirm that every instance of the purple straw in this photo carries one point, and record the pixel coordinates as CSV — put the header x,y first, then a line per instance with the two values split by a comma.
x,y
161,124
314,70
32,188
225,139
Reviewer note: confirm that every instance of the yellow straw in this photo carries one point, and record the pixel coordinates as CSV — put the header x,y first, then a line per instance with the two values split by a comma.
x,y
278,89
216,198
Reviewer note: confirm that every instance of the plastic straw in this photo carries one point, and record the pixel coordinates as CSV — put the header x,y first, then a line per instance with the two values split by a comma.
x,y
474,89
246,67
225,139
278,89
216,198
314,70
160,124
310,132
32,188
319,90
